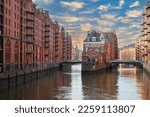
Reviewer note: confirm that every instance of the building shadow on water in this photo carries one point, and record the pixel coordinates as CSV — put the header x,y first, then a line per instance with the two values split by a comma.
x,y
101,85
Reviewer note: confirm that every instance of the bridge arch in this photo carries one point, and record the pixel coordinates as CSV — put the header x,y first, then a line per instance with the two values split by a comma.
x,y
128,62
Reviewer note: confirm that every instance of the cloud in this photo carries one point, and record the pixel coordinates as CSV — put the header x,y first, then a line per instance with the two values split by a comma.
x,y
109,17
121,3
72,28
135,25
126,35
109,7
67,18
134,13
86,27
73,5
105,29
88,11
43,1
104,7
135,4
124,20
105,23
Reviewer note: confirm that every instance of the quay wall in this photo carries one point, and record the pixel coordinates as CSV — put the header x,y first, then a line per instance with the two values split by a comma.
x,y
14,78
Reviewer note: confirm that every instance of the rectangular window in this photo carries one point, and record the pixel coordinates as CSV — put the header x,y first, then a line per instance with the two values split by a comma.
x,y
6,20
9,12
9,2
9,22
6,31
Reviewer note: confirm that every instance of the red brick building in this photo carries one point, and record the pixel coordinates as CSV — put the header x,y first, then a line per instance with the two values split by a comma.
x,y
28,37
99,48
10,34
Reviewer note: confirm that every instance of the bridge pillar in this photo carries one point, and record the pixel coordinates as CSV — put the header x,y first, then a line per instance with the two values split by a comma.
x,y
60,66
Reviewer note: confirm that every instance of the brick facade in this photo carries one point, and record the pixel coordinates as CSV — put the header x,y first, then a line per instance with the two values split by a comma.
x,y
100,47
143,41
29,38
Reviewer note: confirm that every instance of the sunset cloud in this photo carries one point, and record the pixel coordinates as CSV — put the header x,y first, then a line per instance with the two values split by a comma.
x,y
109,17
73,5
80,16
105,23
67,18
86,27
103,7
134,13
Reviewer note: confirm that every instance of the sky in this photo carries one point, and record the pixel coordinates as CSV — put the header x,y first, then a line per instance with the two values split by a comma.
x,y
79,16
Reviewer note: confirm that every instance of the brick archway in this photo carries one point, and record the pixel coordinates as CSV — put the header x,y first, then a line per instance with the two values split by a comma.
x,y
7,51
16,52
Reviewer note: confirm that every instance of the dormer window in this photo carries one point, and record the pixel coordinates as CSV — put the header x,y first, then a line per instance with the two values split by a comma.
x,y
94,39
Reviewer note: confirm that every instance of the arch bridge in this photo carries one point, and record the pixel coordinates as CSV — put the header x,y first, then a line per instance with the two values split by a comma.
x,y
126,61
69,62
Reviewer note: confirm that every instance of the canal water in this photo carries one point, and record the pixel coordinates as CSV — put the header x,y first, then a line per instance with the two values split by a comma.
x,y
128,83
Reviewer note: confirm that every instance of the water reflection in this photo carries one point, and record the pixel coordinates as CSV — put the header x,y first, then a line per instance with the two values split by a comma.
x,y
71,84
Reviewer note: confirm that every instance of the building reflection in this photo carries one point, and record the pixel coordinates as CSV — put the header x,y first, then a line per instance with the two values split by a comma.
x,y
48,87
140,79
100,85
70,84
143,86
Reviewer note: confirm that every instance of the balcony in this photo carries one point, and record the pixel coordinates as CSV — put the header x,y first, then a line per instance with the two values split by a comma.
x,y
29,33
2,13
148,22
144,14
47,25
30,40
148,14
148,50
47,36
47,31
148,39
29,26
47,45
1,48
47,40
30,18
29,11
2,2
144,33
148,30
148,6
29,51
46,53
57,33
56,49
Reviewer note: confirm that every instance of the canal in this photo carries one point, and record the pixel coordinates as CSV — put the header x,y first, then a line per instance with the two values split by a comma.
x,y
128,83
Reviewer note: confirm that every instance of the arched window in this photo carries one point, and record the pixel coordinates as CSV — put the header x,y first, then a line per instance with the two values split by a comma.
x,y
7,51
16,52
